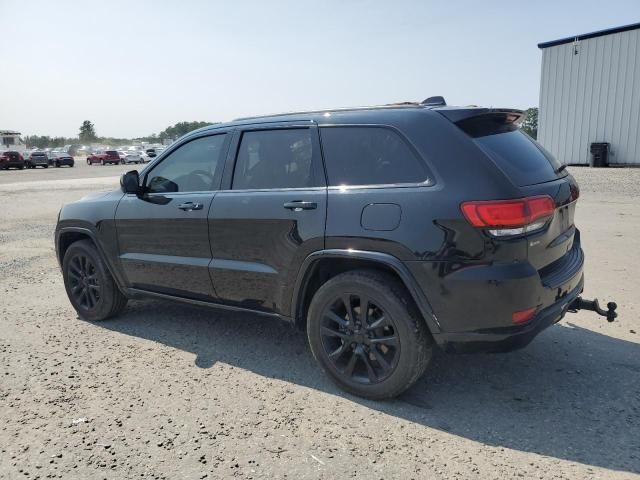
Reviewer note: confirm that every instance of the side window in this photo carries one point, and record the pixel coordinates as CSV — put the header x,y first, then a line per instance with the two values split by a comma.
x,y
275,159
194,167
369,156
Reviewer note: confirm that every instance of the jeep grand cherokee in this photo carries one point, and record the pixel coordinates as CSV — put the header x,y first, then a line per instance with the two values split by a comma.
x,y
383,231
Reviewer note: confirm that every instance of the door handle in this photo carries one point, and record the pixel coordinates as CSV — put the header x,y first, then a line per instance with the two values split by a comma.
x,y
189,206
299,205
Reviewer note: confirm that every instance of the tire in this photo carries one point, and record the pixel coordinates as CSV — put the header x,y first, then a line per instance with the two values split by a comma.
x,y
46,166
57,165
388,359
84,271
89,162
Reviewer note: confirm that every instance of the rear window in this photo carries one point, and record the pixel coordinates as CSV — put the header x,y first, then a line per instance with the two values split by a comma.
x,y
520,157
369,156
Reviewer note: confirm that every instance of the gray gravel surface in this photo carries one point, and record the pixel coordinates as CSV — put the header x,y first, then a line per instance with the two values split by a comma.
x,y
171,391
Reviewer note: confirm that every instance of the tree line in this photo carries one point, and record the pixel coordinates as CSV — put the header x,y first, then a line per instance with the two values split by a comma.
x,y
87,134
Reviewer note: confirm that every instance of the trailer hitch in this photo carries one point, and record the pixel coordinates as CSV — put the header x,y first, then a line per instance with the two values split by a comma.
x,y
581,304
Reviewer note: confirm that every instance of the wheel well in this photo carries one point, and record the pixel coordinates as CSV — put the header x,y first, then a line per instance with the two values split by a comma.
x,y
324,269
68,238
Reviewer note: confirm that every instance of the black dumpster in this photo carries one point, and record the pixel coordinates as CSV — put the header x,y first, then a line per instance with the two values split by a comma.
x,y
599,154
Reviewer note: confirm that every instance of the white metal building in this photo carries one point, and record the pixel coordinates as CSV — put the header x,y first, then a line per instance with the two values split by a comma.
x,y
590,92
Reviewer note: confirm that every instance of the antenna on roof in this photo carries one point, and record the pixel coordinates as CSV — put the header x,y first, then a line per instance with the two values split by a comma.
x,y
434,101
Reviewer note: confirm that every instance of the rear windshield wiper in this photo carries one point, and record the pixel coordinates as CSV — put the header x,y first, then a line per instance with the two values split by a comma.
x,y
561,168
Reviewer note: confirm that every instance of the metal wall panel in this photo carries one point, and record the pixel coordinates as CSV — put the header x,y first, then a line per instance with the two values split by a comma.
x,y
592,96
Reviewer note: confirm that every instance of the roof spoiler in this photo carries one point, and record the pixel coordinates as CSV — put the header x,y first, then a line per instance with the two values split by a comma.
x,y
506,115
436,101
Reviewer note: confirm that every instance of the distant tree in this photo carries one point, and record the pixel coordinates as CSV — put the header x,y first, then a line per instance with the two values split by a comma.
x,y
530,124
181,128
87,132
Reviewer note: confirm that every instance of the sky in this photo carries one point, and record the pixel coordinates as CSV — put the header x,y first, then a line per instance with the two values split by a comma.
x,y
136,67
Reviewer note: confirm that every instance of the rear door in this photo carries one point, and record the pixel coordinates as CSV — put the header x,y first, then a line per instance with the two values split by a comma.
x,y
163,235
270,216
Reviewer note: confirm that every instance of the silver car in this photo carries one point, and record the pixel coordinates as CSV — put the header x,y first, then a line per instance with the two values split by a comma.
x,y
130,156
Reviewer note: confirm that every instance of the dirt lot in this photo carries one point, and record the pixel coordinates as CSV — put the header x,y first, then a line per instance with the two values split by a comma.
x,y
171,391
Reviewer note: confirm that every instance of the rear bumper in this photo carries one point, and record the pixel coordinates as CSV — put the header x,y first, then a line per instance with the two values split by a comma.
x,y
506,339
474,304
64,162
12,164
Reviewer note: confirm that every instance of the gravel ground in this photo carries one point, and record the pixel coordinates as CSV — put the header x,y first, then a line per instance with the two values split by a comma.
x,y
172,391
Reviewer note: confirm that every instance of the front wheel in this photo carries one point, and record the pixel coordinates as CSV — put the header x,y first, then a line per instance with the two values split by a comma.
x,y
88,283
102,162
367,335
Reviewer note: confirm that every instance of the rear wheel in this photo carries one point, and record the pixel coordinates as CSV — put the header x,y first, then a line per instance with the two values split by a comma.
x,y
88,162
88,283
367,335
57,164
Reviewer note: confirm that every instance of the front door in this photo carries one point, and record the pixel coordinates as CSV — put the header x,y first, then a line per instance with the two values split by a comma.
x,y
270,216
163,236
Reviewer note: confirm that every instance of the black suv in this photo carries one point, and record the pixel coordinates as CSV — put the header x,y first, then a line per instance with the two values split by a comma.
x,y
382,231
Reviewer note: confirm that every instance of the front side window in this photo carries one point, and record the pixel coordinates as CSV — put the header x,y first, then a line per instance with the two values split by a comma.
x,y
275,159
194,167
369,156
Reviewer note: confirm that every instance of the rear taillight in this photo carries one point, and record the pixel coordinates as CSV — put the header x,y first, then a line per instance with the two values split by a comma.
x,y
510,217
523,316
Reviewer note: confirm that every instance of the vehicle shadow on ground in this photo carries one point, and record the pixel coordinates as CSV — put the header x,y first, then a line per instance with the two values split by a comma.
x,y
572,394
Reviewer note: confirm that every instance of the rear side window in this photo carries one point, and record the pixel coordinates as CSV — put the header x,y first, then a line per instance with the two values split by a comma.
x,y
111,152
275,159
520,157
369,156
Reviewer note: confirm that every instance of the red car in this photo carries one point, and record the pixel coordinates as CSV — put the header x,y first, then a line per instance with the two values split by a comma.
x,y
103,157
11,159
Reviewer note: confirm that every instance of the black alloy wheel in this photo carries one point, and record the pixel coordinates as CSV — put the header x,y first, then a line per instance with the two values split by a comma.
x,y
360,339
89,284
367,334
84,283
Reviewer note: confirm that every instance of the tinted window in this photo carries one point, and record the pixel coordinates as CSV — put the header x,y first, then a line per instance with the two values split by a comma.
x,y
275,159
111,152
369,156
194,167
520,157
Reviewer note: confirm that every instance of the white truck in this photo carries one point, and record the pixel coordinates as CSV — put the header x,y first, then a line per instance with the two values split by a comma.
x,y
10,140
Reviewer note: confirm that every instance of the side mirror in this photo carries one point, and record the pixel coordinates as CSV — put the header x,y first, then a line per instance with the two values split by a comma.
x,y
130,182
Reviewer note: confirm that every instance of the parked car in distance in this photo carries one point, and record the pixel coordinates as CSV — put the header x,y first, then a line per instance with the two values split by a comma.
x,y
37,159
11,159
145,157
60,159
154,151
130,156
103,157
413,227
